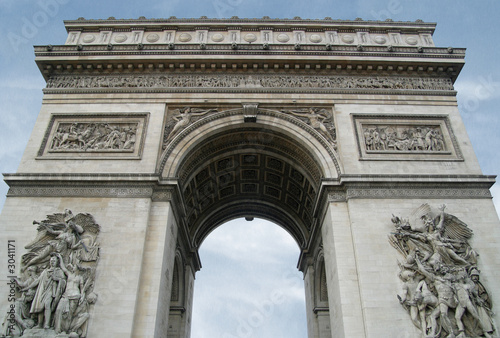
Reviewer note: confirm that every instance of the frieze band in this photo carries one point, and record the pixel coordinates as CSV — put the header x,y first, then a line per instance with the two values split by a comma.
x,y
201,81
381,193
334,196
81,191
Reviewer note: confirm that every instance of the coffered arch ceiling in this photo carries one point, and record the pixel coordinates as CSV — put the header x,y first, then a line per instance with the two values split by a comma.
x,y
249,172
229,166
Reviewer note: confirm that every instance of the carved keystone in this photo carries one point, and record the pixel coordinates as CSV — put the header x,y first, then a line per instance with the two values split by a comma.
x,y
250,111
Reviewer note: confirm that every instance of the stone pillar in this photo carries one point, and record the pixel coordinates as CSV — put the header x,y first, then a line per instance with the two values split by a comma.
x,y
179,322
346,315
312,322
318,318
153,304
323,320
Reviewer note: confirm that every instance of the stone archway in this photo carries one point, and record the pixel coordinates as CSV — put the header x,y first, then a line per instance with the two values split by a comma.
x,y
268,165
161,129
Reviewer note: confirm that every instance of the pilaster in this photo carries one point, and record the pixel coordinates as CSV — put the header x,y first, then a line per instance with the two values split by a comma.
x,y
346,314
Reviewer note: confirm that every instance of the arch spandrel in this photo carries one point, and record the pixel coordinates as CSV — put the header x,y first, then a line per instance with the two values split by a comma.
x,y
323,151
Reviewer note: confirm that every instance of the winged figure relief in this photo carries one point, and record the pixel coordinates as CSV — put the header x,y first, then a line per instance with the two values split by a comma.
x,y
57,278
441,281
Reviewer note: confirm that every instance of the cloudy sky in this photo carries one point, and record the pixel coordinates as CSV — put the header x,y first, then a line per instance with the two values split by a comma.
x,y
250,262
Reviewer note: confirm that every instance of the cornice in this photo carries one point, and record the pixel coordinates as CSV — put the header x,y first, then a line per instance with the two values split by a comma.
x,y
338,190
236,22
244,50
79,177
340,60
408,186
87,185
430,178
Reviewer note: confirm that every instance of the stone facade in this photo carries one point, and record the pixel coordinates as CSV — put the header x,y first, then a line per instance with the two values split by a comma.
x,y
162,130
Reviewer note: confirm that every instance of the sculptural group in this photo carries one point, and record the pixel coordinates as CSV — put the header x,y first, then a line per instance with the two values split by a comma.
x,y
413,139
55,290
442,290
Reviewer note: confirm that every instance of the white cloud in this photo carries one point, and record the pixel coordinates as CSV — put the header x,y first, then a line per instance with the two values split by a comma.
x,y
495,191
472,92
256,234
23,83
249,282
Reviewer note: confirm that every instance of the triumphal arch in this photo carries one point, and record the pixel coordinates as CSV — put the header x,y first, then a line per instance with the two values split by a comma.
x,y
153,132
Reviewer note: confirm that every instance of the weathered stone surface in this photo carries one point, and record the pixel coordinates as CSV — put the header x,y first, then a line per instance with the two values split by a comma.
x,y
164,129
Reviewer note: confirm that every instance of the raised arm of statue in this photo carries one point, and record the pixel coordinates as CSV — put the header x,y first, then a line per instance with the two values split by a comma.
x,y
423,271
62,265
440,225
32,285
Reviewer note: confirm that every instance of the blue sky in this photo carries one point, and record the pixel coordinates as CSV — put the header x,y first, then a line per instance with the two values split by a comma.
x,y
461,23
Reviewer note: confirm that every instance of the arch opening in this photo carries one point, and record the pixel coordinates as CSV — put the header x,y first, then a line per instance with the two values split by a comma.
x,y
249,172
249,285
268,169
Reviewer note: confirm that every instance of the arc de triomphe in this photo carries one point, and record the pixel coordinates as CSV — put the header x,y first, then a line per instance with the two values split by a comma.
x,y
154,132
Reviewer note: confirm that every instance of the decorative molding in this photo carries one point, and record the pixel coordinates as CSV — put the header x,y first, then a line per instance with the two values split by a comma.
x,y
351,192
408,186
89,185
72,190
336,196
94,136
417,191
163,194
405,137
142,22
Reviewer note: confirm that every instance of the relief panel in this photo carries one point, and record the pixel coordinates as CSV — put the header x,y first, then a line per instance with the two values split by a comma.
x,y
405,138
94,136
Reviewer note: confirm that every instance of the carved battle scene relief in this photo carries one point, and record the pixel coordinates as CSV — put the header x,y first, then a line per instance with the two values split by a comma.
x,y
103,135
200,81
415,137
442,289
94,137
54,292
